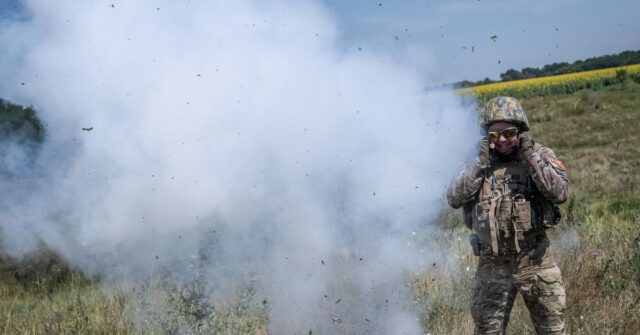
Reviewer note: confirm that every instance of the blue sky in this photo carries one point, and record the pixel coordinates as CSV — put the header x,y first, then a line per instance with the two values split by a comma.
x,y
528,33
457,34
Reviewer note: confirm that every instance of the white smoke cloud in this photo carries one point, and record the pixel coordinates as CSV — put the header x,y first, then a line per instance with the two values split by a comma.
x,y
238,132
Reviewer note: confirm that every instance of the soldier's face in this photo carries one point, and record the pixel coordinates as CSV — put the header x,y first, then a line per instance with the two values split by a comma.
x,y
504,144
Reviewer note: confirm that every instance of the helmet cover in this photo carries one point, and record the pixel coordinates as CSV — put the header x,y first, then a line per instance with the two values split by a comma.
x,y
504,109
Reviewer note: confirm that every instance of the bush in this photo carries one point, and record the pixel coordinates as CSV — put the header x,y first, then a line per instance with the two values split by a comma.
x,y
20,123
21,136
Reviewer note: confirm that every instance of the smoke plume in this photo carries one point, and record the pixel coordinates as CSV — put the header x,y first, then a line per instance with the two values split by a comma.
x,y
237,137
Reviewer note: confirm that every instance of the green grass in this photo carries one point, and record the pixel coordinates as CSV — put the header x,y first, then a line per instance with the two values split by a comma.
x,y
597,247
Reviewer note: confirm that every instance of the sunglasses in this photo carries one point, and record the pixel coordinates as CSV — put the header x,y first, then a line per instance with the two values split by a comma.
x,y
507,132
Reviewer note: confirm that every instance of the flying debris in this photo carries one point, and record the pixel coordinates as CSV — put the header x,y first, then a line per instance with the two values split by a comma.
x,y
88,129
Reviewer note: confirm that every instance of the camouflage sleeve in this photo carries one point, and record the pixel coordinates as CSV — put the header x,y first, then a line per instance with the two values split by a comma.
x,y
549,175
465,186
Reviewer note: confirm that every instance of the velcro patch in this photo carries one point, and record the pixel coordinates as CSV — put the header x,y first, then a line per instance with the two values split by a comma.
x,y
558,164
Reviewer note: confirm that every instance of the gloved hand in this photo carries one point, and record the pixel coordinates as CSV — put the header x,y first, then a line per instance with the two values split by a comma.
x,y
483,155
526,144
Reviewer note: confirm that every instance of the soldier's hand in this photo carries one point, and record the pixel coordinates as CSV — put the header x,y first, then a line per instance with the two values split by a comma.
x,y
483,155
526,144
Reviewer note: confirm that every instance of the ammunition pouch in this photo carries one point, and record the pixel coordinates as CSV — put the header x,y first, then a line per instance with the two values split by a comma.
x,y
534,245
509,211
503,223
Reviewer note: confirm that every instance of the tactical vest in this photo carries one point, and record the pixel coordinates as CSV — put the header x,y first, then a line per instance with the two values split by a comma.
x,y
510,210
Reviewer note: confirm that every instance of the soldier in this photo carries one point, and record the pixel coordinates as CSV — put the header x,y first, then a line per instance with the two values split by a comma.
x,y
509,196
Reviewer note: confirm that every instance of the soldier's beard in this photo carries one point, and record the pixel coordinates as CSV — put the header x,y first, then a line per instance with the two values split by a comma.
x,y
513,154
505,152
506,148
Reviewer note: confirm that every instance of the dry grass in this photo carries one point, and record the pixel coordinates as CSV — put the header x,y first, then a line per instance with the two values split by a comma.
x,y
81,306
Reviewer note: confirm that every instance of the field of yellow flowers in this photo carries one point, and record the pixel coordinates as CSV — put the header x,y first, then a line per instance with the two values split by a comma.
x,y
560,84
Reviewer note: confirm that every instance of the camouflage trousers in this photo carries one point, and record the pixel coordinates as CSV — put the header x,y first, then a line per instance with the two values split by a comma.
x,y
497,283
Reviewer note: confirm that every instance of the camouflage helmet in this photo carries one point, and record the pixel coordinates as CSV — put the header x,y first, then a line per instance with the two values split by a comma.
x,y
504,109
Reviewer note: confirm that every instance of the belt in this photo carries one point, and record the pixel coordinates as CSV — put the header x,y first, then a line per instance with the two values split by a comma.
x,y
528,244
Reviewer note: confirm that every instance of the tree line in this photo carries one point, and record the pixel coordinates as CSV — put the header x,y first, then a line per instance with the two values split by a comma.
x,y
624,58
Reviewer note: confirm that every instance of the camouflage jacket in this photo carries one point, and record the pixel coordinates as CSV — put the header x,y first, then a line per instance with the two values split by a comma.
x,y
546,170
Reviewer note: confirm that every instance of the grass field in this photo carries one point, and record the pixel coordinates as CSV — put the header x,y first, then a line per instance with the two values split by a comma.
x,y
597,246
598,243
